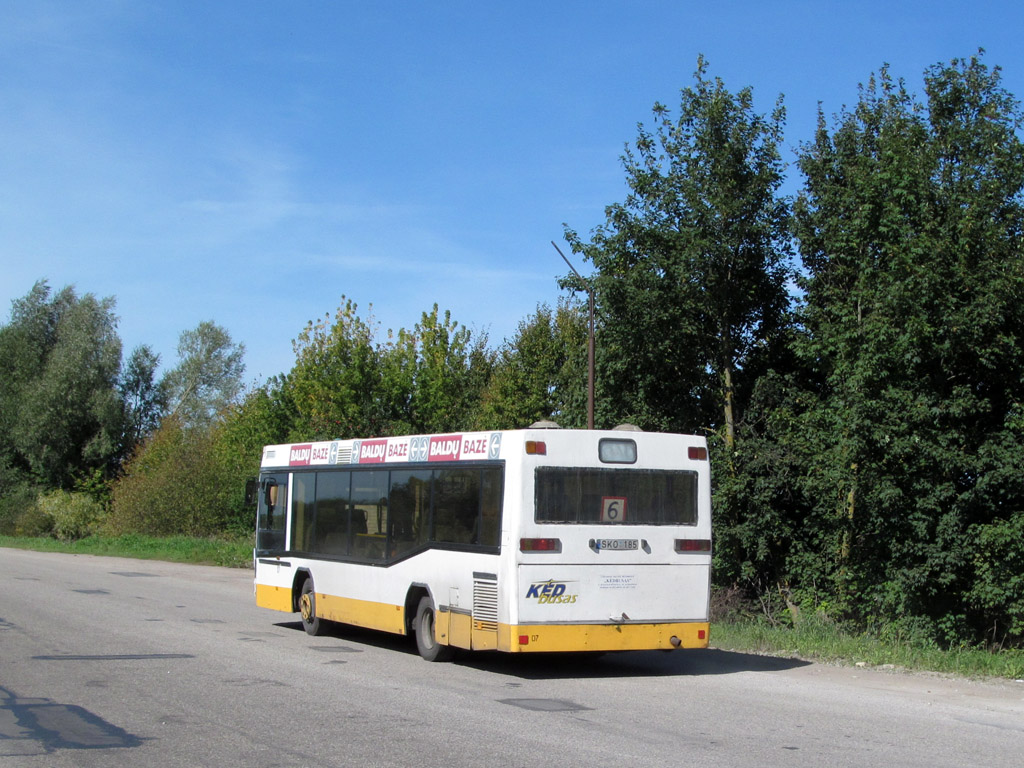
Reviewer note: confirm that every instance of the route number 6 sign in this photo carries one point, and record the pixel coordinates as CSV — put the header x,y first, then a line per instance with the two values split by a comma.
x,y
613,509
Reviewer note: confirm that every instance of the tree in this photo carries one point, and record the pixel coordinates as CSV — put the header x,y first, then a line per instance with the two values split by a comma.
x,y
144,398
910,228
346,383
266,416
691,268
335,382
60,414
450,373
208,376
540,373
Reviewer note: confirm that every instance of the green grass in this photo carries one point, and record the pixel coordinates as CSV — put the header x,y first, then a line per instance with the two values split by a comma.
x,y
229,552
818,640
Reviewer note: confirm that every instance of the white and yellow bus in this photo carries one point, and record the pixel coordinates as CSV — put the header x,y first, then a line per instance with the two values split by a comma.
x,y
531,540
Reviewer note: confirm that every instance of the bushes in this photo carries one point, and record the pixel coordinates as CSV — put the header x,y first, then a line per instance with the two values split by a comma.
x,y
71,515
998,589
20,514
180,481
25,511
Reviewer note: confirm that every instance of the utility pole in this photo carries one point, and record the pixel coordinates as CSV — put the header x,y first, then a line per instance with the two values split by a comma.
x,y
590,340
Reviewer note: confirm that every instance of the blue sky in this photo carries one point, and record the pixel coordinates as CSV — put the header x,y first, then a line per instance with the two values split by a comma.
x,y
251,162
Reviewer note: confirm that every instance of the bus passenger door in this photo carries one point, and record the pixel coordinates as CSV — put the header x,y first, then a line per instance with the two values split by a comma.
x,y
272,512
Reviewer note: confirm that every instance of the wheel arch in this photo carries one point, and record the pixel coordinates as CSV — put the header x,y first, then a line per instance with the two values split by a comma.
x,y
416,592
300,577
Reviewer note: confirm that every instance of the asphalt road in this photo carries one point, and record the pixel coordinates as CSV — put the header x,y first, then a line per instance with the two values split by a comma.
x,y
110,662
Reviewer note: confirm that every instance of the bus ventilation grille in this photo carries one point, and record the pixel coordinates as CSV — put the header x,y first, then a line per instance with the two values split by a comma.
x,y
344,456
485,604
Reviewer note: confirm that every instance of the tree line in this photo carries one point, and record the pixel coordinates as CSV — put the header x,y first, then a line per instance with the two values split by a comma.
x,y
855,354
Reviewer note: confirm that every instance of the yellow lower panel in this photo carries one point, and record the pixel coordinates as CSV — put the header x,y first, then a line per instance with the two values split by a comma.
x,y
275,598
485,636
601,637
361,613
460,630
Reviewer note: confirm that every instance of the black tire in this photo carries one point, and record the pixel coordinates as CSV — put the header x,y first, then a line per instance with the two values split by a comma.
x,y
426,641
312,623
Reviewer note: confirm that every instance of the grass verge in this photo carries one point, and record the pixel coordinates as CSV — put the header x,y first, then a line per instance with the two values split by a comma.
x,y
818,640
232,553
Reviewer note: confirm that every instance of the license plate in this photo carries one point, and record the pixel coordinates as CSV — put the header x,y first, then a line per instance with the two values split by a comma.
x,y
618,544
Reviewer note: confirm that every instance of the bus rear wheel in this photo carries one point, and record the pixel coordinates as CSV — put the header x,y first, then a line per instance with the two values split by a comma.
x,y
426,640
307,610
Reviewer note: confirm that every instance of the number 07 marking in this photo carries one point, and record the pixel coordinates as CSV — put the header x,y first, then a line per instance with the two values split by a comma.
x,y
613,509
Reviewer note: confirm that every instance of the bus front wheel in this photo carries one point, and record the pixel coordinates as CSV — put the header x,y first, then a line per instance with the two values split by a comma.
x,y
307,610
426,640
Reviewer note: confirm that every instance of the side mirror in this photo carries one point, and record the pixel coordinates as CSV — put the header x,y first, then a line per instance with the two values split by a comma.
x,y
252,487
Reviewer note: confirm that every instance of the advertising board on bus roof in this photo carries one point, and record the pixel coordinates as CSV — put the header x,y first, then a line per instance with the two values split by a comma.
x,y
472,446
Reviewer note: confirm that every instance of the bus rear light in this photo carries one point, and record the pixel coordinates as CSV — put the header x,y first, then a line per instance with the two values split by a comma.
x,y
693,545
540,545
536,448
697,453
524,639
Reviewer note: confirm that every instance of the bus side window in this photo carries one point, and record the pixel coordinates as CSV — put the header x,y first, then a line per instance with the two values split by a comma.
x,y
332,527
490,504
369,499
410,504
303,508
456,505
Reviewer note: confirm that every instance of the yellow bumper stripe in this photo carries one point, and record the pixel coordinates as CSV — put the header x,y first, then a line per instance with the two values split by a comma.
x,y
602,637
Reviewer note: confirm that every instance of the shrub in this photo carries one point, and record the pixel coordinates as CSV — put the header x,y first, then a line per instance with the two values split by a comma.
x,y
181,481
72,515
998,588
20,514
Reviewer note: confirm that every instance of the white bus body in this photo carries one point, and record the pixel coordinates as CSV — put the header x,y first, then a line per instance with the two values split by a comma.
x,y
519,541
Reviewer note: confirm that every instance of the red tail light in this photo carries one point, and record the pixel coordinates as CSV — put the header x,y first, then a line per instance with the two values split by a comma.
x,y
540,545
697,453
536,448
693,545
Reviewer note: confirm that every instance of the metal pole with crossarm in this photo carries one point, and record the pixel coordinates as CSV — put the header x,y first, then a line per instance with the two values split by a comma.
x,y
590,340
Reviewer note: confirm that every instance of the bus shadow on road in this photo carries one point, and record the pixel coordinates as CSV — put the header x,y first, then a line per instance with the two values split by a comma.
x,y
358,636
627,664
555,666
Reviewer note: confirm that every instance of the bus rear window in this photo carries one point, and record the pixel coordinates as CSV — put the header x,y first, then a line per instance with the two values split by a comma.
x,y
616,496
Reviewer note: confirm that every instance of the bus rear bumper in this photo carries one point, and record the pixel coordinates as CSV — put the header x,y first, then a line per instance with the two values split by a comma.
x,y
539,638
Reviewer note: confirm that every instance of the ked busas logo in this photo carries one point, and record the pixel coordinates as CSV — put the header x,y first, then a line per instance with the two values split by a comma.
x,y
551,592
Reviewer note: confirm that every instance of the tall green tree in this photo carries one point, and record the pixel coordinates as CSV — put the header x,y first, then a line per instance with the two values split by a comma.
x,y
336,379
541,372
910,230
208,376
692,267
143,396
347,383
451,371
60,414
